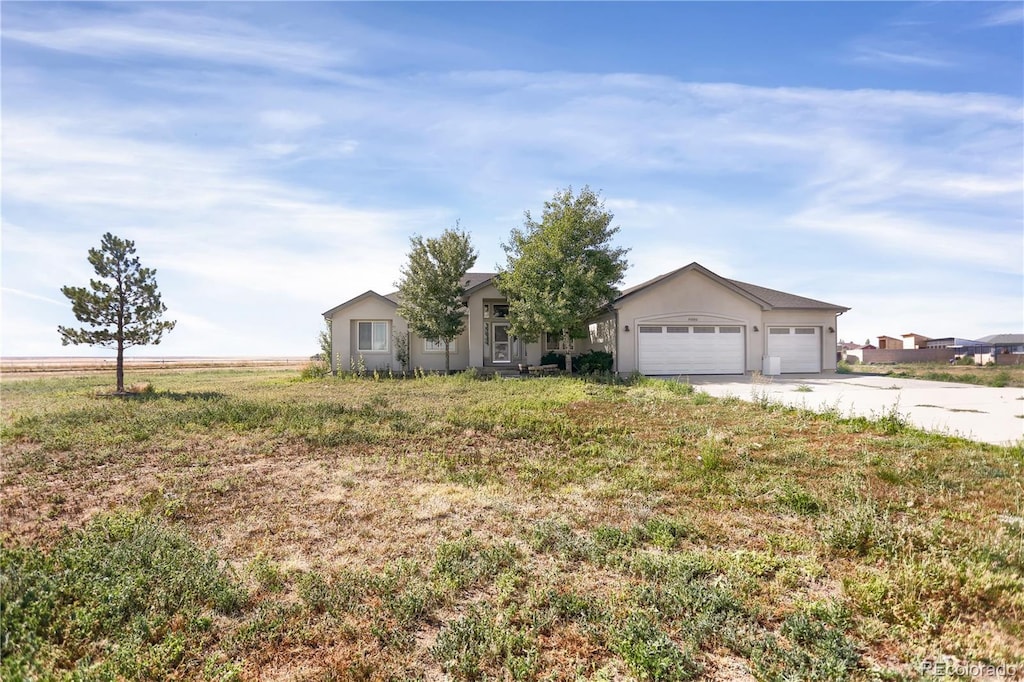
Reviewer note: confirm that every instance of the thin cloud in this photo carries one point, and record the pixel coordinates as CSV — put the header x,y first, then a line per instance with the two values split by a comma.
x,y
29,295
1012,13
180,37
880,57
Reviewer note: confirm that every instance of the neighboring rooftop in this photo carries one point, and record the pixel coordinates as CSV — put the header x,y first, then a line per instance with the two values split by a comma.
x,y
1003,339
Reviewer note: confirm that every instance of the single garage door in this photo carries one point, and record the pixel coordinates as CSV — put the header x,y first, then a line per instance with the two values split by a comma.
x,y
675,349
798,347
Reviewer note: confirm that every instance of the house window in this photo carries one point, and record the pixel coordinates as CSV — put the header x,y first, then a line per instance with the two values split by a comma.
x,y
554,341
373,337
431,346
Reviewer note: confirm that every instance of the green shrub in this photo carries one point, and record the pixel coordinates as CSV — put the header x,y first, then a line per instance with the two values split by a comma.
x,y
554,359
593,362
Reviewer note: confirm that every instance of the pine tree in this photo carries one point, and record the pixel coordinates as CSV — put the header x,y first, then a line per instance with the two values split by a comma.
x,y
122,308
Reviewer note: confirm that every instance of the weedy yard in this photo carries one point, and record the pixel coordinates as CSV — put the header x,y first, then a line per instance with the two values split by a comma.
x,y
253,525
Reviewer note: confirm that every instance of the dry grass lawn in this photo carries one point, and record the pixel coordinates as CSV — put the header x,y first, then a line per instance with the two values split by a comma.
x,y
251,525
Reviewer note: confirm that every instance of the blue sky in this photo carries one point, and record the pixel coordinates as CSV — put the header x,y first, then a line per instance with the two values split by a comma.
x,y
271,160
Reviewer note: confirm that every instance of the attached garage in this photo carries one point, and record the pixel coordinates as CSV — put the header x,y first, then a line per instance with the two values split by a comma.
x,y
691,349
799,349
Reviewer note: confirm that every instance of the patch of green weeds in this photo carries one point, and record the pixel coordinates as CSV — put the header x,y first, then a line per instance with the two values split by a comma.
x,y
464,562
651,654
816,647
482,645
799,500
125,597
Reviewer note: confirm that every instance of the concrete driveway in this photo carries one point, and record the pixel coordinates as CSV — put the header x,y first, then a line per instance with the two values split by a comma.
x,y
990,415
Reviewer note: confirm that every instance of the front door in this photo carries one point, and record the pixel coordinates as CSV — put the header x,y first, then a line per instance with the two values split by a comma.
x,y
501,348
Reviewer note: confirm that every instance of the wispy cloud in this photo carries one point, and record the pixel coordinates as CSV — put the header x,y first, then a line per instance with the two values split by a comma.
x,y
179,36
31,296
882,57
1006,14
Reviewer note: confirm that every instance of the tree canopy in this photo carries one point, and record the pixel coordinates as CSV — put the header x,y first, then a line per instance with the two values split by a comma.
x,y
122,308
431,289
563,269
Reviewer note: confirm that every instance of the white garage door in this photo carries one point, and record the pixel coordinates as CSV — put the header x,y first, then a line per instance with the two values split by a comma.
x,y
674,349
798,347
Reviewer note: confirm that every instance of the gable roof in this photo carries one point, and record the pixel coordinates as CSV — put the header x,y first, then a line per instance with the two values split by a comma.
x,y
763,296
361,297
477,280
472,281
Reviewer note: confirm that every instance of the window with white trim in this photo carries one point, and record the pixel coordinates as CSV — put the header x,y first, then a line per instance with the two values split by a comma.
x,y
432,346
373,336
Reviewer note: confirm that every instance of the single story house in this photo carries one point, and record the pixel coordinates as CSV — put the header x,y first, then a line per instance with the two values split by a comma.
x,y
686,322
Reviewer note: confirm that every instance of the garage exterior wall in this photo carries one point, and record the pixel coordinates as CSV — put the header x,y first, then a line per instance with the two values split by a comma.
x,y
823,319
687,298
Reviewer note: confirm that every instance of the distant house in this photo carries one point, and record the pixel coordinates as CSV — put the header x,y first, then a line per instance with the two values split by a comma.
x,y
688,321
913,341
889,343
855,352
954,342
1004,343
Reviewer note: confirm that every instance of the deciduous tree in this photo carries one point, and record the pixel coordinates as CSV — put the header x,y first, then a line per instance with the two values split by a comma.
x,y
563,269
431,289
120,309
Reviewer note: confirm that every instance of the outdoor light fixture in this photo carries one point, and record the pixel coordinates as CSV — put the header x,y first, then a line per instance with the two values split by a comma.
x,y
831,330
756,329
625,328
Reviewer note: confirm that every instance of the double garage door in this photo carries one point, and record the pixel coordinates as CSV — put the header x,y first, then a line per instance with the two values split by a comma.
x,y
691,349
798,348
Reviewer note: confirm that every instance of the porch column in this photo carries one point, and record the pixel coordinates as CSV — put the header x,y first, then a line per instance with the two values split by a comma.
x,y
476,334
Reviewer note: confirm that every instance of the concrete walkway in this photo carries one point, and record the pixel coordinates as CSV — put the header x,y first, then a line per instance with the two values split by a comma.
x,y
990,415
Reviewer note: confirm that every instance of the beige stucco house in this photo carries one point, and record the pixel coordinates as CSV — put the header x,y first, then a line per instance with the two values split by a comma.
x,y
686,322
